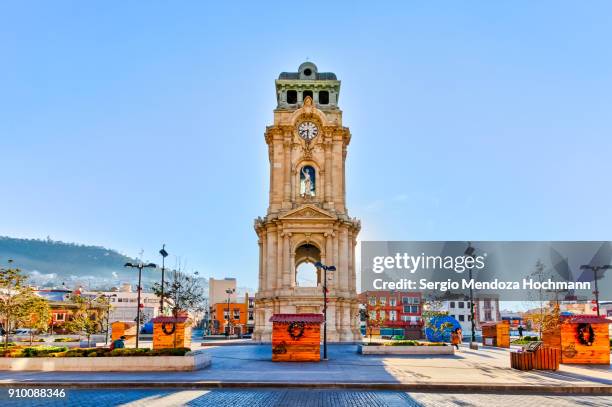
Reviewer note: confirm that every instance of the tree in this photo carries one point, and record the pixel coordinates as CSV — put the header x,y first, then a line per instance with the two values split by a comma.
x,y
17,300
183,292
84,319
39,316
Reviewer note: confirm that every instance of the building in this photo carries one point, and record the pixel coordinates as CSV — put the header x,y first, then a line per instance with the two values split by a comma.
x,y
62,309
395,311
486,309
307,219
242,317
123,304
217,290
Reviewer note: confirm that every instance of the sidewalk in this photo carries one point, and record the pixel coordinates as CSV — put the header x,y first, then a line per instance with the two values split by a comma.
x,y
487,369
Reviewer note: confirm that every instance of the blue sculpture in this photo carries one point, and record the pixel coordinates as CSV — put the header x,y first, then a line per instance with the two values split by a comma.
x,y
440,327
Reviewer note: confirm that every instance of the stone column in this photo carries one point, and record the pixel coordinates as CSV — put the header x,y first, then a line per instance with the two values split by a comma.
x,y
271,261
327,145
261,272
279,259
344,253
264,260
286,261
287,168
336,243
329,256
292,270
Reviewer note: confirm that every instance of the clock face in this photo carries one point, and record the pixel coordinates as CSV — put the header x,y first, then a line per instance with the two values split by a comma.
x,y
308,130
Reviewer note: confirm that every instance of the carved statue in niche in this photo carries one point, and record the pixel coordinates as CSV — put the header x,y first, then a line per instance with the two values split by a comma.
x,y
307,181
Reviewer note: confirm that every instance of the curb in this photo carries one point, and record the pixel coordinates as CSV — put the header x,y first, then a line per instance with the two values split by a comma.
x,y
427,387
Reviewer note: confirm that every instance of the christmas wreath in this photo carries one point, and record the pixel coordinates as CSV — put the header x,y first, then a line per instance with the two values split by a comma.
x,y
165,327
586,336
296,330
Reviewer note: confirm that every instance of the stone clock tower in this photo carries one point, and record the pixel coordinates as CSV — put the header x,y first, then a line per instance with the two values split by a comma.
x,y
307,220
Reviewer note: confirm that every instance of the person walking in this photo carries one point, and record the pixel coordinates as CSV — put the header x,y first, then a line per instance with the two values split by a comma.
x,y
520,330
456,338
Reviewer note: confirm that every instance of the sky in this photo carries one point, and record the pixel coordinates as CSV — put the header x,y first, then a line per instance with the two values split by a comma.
x,y
132,124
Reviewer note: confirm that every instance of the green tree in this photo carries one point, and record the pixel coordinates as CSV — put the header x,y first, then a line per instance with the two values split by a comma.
x,y
85,319
39,316
17,300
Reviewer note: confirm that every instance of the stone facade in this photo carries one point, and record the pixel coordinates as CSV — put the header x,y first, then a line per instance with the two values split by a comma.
x,y
307,219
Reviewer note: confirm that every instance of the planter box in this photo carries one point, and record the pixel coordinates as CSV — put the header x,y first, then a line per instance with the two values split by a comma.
x,y
191,361
406,350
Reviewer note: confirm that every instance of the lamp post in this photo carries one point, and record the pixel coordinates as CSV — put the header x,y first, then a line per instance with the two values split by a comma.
x,y
108,297
325,268
164,254
469,252
139,266
595,269
229,292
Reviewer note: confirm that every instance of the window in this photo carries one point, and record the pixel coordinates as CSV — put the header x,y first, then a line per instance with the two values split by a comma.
x,y
250,315
324,97
452,304
406,318
383,300
392,315
382,315
405,300
236,314
412,309
372,301
59,317
392,302
452,316
292,97
488,316
461,304
462,318
469,317
225,314
306,93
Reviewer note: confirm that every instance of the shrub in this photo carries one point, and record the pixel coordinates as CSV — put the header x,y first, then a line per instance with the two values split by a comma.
x,y
35,351
66,340
414,343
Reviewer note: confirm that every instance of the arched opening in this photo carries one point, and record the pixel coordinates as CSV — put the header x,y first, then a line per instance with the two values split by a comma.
x,y
307,274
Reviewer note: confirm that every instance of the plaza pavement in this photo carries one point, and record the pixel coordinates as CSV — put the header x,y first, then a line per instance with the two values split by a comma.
x,y
487,369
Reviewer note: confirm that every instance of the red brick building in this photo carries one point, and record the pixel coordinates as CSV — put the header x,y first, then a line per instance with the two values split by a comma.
x,y
395,310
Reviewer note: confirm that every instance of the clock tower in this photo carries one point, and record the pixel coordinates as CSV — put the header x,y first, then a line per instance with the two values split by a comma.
x,y
307,220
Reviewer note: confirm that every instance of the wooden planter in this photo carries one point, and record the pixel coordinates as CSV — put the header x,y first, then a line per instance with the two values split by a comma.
x,y
171,332
296,337
542,359
496,334
591,350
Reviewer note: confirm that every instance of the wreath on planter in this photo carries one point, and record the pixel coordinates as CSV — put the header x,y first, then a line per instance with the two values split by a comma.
x,y
586,336
296,330
165,327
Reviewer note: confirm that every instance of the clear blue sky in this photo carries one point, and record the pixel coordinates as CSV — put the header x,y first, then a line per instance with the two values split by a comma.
x,y
130,124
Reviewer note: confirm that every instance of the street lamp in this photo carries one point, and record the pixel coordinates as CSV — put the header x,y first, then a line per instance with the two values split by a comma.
x,y
164,254
229,292
595,269
139,266
469,252
325,268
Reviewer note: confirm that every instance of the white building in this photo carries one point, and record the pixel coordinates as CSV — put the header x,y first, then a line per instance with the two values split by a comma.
x,y
123,303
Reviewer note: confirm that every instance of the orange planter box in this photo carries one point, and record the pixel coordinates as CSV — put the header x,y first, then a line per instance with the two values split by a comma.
x,y
296,337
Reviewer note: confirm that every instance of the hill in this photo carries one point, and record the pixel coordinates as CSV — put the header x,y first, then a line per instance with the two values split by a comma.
x,y
51,263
